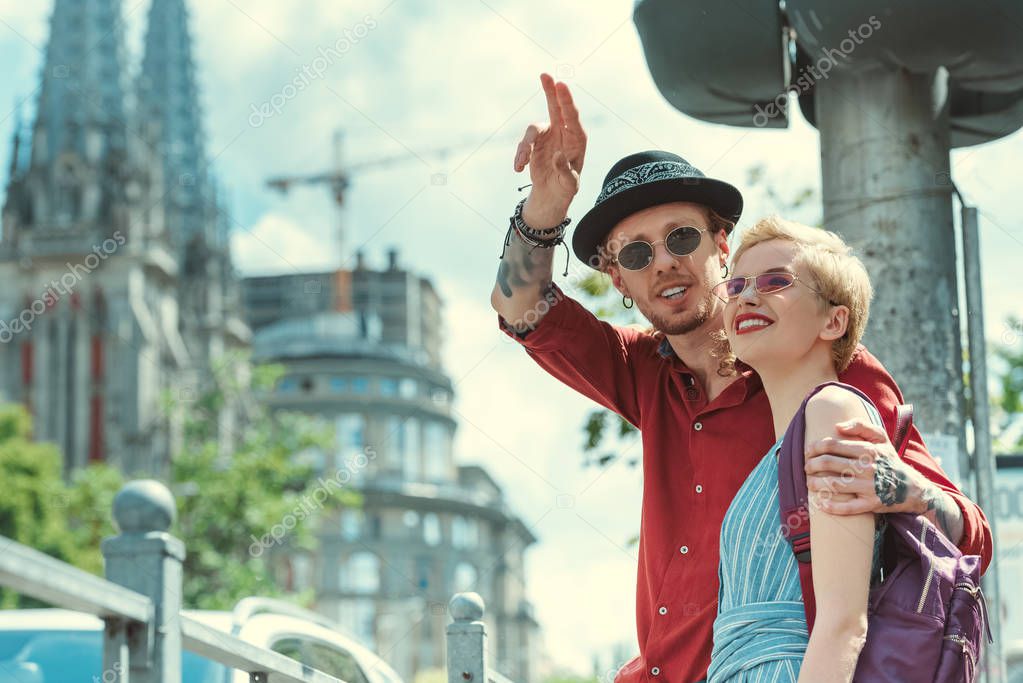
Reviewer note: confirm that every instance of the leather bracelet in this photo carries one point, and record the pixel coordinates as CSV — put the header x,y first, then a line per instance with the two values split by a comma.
x,y
536,238
536,233
536,241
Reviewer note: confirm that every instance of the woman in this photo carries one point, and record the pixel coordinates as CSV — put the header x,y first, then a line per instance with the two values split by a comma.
x,y
795,310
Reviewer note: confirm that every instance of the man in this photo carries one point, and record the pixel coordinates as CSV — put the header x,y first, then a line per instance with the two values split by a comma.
x,y
659,229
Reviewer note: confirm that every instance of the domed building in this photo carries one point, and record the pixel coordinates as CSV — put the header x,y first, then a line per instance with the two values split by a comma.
x,y
362,354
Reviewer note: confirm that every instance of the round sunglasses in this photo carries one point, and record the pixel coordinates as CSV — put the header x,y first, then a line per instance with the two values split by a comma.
x,y
639,254
765,283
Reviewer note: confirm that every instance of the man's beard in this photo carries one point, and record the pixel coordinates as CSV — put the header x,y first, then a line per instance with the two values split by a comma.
x,y
678,324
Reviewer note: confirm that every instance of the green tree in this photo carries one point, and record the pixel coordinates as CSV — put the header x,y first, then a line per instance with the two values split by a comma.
x,y
238,511
225,500
34,502
1008,403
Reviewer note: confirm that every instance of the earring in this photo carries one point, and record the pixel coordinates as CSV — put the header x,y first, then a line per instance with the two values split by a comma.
x,y
627,304
725,266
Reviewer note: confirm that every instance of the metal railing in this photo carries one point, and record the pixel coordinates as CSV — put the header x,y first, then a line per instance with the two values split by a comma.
x,y
467,642
140,599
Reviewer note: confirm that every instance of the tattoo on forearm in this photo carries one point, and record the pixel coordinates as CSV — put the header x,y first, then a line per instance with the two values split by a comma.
x,y
944,513
891,485
522,266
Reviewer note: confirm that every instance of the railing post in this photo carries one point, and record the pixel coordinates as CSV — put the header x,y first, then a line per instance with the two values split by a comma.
x,y
467,640
148,560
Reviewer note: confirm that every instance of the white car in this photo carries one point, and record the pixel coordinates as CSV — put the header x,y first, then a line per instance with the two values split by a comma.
x,y
63,646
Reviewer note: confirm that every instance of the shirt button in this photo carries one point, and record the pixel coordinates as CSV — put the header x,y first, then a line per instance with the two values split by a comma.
x,y
654,671
698,426
684,549
699,488
663,610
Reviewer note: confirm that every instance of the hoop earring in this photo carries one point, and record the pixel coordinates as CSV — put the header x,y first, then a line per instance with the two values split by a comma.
x,y
725,274
627,304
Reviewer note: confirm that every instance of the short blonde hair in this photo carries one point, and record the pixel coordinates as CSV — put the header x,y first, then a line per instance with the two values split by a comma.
x,y
835,271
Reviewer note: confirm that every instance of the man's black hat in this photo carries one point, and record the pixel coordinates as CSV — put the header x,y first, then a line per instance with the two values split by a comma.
x,y
643,180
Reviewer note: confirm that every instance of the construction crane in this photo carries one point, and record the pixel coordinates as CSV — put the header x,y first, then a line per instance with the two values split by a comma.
x,y
338,179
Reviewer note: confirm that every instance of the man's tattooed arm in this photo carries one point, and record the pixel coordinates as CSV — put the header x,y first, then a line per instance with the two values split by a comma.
x,y
523,279
890,484
898,486
943,512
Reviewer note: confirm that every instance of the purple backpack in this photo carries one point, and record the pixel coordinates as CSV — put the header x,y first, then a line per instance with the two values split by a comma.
x,y
927,615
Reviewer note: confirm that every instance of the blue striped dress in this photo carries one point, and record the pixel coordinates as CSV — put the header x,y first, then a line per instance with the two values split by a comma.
x,y
760,631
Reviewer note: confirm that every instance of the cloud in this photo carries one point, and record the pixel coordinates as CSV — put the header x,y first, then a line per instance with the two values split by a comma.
x,y
276,245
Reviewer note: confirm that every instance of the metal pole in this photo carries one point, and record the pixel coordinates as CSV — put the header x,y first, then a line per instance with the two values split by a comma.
x,y
467,640
983,460
148,560
887,190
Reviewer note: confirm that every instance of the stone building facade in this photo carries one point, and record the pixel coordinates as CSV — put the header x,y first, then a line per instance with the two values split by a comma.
x,y
429,527
119,288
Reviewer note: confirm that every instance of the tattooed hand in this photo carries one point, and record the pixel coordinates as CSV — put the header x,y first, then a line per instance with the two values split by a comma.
x,y
863,473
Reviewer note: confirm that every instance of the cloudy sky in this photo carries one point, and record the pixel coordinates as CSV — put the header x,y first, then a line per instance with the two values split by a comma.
x,y
414,78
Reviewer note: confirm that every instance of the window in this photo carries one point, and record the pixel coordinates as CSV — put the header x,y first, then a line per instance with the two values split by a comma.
x,y
339,385
408,388
301,572
360,385
423,571
388,386
351,439
351,524
439,396
465,577
289,647
431,529
287,385
411,518
336,661
459,533
472,533
358,616
435,436
411,454
329,659
361,573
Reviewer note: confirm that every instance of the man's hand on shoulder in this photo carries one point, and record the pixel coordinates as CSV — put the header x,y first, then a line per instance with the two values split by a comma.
x,y
861,472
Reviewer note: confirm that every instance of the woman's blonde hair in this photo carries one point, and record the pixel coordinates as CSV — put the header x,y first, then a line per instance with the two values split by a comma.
x,y
834,271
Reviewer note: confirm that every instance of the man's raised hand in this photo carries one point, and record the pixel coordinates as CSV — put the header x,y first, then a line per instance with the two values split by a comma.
x,y
554,153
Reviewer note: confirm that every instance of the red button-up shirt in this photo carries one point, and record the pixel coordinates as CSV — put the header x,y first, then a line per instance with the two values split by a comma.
x,y
696,455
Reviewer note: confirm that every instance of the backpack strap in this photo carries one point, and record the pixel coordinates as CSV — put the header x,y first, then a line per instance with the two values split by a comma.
x,y
903,421
793,494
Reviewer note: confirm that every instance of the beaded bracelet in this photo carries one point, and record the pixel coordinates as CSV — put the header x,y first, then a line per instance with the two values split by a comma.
x,y
536,233
535,242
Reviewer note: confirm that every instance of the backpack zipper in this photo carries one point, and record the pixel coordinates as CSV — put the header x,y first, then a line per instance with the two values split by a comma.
x,y
966,651
969,588
930,571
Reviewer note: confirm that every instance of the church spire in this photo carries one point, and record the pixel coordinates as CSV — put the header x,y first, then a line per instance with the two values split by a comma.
x,y
82,107
169,96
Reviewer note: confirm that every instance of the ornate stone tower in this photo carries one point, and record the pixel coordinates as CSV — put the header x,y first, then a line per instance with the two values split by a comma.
x,y
197,225
91,330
